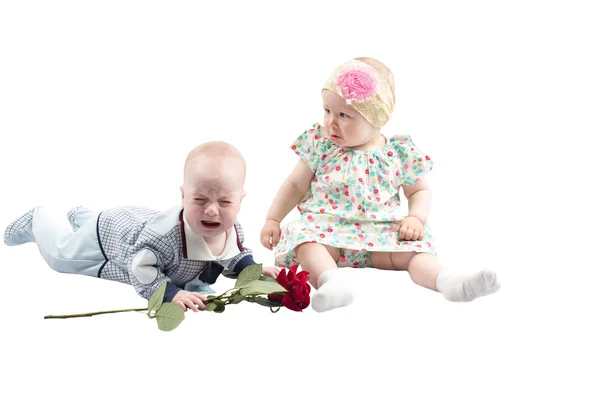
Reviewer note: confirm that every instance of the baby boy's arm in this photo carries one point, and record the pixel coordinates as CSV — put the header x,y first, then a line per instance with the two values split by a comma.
x,y
247,259
146,272
242,260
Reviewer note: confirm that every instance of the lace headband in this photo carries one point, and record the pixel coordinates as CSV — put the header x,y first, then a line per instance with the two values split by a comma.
x,y
365,89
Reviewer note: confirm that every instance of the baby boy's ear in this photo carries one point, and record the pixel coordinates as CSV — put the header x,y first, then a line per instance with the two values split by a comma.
x,y
181,188
243,195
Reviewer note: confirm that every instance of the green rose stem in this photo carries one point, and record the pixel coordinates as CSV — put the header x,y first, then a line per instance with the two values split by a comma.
x,y
222,295
93,313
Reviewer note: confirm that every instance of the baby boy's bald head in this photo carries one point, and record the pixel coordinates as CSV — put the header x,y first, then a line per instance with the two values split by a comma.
x,y
211,155
213,188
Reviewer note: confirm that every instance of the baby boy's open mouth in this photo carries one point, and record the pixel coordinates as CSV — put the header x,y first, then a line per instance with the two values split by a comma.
x,y
210,225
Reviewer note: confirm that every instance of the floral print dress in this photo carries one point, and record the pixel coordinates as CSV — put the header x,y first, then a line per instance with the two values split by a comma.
x,y
354,199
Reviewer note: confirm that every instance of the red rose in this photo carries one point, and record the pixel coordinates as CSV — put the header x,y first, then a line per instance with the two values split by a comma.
x,y
297,297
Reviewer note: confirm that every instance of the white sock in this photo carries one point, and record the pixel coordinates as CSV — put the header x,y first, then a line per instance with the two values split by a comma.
x,y
465,287
333,292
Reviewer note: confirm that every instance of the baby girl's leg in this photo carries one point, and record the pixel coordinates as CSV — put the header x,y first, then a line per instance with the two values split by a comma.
x,y
425,270
321,263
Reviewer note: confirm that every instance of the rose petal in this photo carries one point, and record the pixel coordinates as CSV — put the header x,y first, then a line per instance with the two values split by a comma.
x,y
288,302
275,297
302,276
292,274
296,292
282,279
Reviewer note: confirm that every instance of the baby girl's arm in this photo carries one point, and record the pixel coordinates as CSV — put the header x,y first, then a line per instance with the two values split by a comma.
x,y
419,199
291,192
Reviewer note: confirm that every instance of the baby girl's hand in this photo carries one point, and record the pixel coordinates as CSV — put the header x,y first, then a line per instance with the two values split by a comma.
x,y
410,228
271,271
269,236
192,300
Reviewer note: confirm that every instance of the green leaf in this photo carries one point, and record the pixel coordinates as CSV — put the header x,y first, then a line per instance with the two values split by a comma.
x,y
156,300
169,316
267,278
210,307
265,302
220,306
261,287
248,274
238,298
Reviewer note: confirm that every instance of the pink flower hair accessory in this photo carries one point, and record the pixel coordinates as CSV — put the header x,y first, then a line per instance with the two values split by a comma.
x,y
365,89
356,84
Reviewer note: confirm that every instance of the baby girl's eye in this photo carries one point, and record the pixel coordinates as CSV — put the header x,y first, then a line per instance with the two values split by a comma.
x,y
343,115
327,111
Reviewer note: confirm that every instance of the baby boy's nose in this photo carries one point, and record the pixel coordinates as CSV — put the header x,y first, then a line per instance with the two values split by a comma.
x,y
212,210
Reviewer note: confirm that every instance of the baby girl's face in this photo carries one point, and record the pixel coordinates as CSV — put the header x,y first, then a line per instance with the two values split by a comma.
x,y
344,125
212,194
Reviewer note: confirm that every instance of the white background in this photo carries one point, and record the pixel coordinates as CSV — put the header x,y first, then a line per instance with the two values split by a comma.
x,y
101,101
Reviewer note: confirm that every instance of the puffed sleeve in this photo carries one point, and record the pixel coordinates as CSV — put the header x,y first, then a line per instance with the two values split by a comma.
x,y
413,162
309,146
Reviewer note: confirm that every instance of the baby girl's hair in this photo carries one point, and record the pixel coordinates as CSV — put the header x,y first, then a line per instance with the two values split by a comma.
x,y
214,149
382,69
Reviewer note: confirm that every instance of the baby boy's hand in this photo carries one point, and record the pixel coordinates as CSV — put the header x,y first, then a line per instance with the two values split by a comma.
x,y
271,271
192,300
410,228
